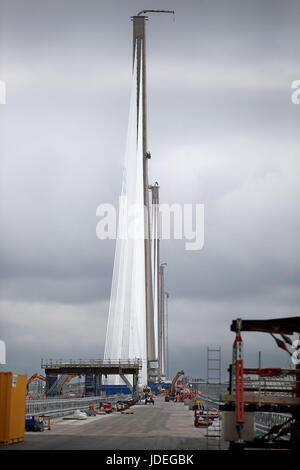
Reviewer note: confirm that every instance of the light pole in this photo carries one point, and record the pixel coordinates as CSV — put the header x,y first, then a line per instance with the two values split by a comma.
x,y
167,333
161,321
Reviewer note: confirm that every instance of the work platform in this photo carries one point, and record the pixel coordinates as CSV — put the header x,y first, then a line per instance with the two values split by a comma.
x,y
92,369
91,366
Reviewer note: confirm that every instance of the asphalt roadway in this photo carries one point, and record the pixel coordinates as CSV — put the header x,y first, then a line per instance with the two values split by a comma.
x,y
164,426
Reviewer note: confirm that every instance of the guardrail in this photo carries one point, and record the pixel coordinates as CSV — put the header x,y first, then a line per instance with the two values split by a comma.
x,y
59,407
48,363
210,391
263,421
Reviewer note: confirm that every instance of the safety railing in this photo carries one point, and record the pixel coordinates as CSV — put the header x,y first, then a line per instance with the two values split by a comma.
x,y
211,391
52,363
279,386
60,407
263,422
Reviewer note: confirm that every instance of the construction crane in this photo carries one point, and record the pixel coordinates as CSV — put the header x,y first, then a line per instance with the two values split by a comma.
x,y
143,12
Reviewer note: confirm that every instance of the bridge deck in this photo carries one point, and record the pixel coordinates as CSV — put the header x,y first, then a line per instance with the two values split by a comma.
x,y
92,366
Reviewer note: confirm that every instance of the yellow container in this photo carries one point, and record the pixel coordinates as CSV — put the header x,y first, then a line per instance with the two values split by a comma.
x,y
12,407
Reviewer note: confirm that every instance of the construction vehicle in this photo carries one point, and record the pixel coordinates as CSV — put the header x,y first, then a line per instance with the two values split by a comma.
x,y
66,382
33,377
58,386
170,393
146,391
149,399
148,395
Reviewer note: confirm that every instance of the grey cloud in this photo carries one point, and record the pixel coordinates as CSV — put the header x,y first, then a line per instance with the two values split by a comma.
x,y
222,131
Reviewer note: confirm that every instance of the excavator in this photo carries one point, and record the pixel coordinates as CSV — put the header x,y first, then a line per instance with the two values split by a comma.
x,y
170,393
60,387
33,377
66,382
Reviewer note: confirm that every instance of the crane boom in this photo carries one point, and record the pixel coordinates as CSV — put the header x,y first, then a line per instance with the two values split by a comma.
x,y
143,12
172,389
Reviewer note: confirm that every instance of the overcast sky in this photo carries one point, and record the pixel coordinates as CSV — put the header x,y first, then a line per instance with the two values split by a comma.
x,y
222,132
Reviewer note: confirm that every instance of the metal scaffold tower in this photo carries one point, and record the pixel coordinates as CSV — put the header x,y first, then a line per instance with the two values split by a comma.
x,y
213,435
167,334
214,365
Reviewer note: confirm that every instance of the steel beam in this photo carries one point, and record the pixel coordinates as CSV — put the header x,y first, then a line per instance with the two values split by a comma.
x,y
288,325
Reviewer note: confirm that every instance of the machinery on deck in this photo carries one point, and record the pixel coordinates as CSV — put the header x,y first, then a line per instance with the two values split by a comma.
x,y
148,395
280,393
170,393
33,377
66,382
34,423
204,417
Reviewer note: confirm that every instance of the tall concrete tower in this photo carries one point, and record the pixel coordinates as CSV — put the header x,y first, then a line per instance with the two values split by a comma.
x,y
139,51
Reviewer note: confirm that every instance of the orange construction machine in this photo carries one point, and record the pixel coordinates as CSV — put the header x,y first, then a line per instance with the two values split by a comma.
x,y
33,377
170,393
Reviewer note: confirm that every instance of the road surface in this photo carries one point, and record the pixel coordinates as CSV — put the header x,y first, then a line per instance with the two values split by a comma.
x,y
164,426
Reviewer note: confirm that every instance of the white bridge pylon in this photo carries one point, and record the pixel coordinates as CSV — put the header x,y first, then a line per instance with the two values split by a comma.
x,y
126,327
136,328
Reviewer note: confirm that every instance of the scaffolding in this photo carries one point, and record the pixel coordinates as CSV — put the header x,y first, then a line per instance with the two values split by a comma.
x,y
213,435
59,372
266,400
